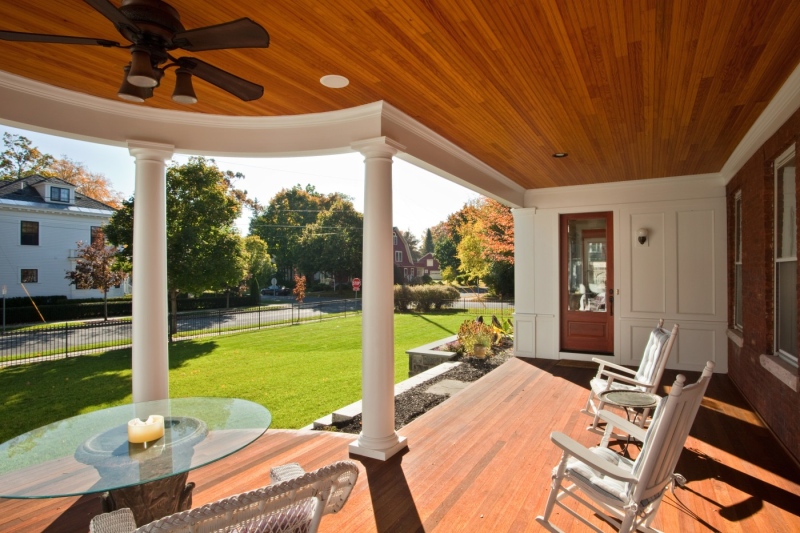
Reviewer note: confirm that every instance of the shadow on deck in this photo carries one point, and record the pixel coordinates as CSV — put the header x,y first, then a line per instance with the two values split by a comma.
x,y
482,461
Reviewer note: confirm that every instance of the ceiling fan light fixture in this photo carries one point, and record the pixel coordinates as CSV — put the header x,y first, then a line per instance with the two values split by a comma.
x,y
132,93
184,92
141,73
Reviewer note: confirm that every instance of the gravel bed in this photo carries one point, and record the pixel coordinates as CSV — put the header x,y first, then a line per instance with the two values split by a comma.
x,y
416,401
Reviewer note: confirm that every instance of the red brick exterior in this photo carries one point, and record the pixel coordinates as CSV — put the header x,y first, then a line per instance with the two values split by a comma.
x,y
776,402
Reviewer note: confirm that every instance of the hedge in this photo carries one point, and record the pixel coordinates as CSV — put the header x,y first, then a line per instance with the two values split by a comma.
x,y
423,298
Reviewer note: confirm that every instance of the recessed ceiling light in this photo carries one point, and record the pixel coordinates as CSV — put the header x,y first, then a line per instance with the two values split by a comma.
x,y
560,154
334,81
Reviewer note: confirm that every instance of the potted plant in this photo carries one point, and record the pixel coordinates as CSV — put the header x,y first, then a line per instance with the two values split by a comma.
x,y
475,337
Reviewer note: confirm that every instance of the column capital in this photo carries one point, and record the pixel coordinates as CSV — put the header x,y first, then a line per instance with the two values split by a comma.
x,y
150,151
377,147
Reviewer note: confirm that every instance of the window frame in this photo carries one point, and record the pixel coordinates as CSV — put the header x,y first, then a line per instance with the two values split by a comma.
x,y
738,315
779,163
23,233
398,256
96,232
22,275
394,238
59,197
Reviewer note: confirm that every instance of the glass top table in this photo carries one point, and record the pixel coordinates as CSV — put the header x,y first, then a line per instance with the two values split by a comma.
x,y
90,453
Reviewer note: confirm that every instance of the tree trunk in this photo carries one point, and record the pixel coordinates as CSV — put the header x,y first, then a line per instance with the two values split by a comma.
x,y
173,321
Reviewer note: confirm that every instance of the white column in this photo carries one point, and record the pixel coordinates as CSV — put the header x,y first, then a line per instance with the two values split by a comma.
x,y
378,438
524,283
150,328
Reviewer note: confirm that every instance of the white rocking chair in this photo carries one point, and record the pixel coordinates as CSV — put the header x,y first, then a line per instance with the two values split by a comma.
x,y
294,503
629,491
646,378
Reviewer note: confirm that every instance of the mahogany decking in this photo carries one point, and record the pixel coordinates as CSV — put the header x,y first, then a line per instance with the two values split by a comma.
x,y
482,461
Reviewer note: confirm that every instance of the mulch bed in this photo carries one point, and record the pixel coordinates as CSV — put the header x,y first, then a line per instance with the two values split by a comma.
x,y
416,401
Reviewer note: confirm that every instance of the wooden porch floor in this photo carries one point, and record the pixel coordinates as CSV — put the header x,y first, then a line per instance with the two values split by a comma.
x,y
482,461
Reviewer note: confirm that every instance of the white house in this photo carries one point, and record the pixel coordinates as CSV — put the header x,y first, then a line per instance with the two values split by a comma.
x,y
41,221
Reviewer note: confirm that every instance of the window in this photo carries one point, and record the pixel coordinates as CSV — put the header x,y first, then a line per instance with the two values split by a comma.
x,y
394,237
29,233
430,262
29,275
59,194
786,257
737,261
398,257
97,235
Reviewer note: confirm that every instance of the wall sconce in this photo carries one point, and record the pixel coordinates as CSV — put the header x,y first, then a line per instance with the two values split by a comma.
x,y
641,236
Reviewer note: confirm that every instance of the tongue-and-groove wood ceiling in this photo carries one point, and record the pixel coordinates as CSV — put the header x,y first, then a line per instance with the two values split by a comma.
x,y
631,89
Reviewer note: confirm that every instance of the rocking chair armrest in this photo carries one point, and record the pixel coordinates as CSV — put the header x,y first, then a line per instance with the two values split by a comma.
x,y
617,422
625,379
604,364
579,451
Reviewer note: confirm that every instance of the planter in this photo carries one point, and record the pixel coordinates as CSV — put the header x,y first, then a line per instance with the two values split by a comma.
x,y
479,351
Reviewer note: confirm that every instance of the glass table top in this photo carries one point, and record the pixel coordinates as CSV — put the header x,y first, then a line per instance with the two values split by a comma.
x,y
90,453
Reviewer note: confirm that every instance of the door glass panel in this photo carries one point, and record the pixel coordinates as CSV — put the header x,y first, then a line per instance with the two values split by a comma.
x,y
586,263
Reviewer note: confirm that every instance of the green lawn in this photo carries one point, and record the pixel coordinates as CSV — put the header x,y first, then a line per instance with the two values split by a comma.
x,y
299,372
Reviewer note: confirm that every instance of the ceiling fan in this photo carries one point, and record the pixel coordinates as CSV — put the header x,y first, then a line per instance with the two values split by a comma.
x,y
154,29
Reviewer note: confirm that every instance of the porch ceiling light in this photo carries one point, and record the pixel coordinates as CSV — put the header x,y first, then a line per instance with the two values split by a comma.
x,y
559,155
141,73
132,93
334,81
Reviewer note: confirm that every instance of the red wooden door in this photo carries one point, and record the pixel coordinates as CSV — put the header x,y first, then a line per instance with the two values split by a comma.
x,y
586,283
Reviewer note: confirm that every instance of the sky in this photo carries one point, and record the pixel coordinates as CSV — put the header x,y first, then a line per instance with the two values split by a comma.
x,y
420,199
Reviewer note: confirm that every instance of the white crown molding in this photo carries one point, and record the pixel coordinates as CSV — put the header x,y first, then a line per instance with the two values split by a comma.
x,y
620,192
777,112
403,120
134,111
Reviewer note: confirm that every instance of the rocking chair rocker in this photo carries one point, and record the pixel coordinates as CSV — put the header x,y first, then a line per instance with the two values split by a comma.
x,y
627,493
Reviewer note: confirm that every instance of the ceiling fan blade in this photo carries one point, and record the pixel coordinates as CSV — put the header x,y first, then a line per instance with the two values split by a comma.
x,y
242,33
109,11
56,39
241,88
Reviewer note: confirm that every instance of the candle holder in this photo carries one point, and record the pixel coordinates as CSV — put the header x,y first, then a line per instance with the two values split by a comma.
x,y
145,431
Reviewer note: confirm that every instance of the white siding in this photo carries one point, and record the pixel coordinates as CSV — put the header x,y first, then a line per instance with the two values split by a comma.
x,y
58,234
678,275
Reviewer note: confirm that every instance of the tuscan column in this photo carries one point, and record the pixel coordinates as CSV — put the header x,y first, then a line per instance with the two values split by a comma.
x,y
378,438
150,332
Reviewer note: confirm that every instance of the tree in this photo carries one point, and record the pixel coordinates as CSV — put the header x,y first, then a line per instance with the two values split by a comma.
x,y
258,264
282,222
427,244
334,243
497,225
21,159
204,250
95,268
471,254
299,290
91,184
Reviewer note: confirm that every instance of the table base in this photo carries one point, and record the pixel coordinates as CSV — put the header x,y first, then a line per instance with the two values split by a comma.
x,y
153,500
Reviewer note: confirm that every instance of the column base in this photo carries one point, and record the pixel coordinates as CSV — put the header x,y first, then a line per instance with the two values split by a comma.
x,y
379,454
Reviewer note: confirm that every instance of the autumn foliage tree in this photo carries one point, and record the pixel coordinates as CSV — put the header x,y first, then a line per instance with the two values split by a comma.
x,y
95,269
20,158
299,290
91,184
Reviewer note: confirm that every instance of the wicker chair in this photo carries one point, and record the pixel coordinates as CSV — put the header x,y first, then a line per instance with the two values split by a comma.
x,y
295,503
646,378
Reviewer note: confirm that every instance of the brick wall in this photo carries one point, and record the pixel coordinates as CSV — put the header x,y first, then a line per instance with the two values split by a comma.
x,y
776,402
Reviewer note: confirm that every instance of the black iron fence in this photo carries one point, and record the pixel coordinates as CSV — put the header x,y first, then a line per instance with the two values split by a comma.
x,y
41,343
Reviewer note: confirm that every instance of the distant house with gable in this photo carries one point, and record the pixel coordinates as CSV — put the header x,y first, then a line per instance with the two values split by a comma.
x,y
41,220
425,265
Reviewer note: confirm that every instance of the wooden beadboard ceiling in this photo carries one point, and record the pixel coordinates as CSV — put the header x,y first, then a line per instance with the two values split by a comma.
x,y
632,89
